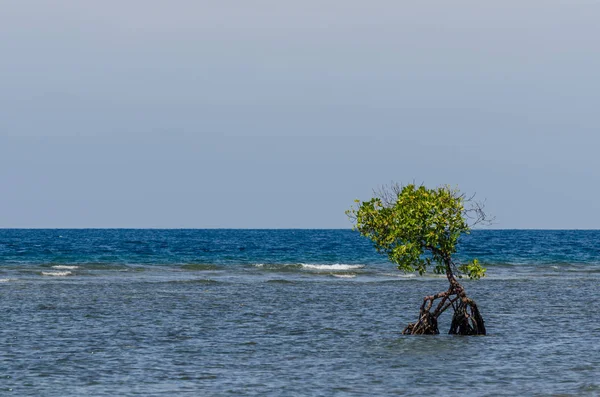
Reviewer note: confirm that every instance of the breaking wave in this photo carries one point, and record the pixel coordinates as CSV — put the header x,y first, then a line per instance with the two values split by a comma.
x,y
57,274
314,267
334,267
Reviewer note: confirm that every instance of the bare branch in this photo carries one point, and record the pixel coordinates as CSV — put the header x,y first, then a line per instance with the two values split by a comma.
x,y
475,212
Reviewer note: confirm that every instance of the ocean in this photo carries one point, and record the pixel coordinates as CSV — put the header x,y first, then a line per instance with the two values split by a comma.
x,y
289,313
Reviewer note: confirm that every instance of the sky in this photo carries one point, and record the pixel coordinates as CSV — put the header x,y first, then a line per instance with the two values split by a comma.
x,y
278,114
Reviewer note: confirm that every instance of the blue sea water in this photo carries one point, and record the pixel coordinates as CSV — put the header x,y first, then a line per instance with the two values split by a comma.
x,y
288,312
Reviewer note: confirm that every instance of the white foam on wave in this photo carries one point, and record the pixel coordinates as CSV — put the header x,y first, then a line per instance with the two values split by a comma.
x,y
344,275
67,267
57,274
4,280
334,267
401,275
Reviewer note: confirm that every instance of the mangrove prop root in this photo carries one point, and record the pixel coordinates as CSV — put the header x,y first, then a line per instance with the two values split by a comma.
x,y
466,319
427,325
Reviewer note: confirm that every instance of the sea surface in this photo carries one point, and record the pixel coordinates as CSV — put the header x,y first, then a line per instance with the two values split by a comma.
x,y
288,313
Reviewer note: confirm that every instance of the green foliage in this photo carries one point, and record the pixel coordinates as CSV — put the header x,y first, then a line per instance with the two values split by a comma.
x,y
472,269
417,228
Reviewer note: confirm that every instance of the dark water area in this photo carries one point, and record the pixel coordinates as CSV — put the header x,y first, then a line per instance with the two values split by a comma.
x,y
288,312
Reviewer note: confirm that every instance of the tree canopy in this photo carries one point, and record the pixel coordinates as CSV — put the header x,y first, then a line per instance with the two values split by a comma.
x,y
418,228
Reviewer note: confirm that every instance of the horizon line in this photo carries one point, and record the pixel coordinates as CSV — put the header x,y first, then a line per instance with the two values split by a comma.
x,y
264,228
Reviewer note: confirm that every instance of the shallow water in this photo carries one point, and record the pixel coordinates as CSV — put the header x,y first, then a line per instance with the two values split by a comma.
x,y
160,315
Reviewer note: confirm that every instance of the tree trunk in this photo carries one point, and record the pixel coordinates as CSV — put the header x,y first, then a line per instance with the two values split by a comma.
x,y
466,319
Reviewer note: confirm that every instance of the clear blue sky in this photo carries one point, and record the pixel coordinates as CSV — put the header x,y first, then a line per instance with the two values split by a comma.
x,y
280,113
